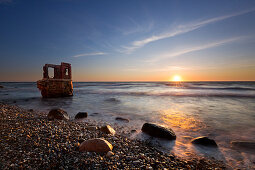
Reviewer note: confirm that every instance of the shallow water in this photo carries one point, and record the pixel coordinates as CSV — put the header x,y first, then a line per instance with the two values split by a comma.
x,y
224,111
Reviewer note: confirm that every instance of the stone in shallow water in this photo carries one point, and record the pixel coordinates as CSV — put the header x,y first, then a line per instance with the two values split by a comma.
x,y
205,141
58,114
133,131
112,100
244,145
94,114
107,129
96,145
122,119
81,115
158,131
1,86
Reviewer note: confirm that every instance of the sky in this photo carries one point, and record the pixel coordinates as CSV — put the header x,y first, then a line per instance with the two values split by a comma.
x,y
134,40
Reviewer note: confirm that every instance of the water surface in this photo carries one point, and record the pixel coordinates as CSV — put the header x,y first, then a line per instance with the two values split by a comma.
x,y
224,111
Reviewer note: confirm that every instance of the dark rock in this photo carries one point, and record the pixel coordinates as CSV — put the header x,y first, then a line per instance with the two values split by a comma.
x,y
81,115
133,131
81,140
112,100
158,131
205,141
94,114
58,114
14,101
122,119
107,129
1,86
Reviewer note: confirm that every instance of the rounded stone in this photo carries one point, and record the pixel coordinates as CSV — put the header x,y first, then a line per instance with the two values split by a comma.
x,y
205,141
81,115
108,129
96,145
58,114
158,131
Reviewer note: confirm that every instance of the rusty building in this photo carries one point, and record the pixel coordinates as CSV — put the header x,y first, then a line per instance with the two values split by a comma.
x,y
60,84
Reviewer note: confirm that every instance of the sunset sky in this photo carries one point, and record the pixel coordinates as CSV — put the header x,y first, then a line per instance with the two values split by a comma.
x,y
129,40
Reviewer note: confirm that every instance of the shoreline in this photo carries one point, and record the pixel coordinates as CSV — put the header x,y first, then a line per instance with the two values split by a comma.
x,y
30,140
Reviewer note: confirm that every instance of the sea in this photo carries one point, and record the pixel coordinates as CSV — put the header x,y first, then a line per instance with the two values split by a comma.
x,y
223,111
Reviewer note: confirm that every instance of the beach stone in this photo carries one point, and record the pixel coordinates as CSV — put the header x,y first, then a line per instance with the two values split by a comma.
x,y
158,131
81,115
81,140
248,145
122,119
58,114
94,114
109,154
133,131
96,145
112,100
205,141
92,128
108,130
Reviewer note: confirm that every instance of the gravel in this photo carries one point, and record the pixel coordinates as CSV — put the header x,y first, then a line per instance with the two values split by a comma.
x,y
29,140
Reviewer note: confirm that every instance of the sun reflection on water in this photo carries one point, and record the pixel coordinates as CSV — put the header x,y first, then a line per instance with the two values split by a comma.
x,y
177,119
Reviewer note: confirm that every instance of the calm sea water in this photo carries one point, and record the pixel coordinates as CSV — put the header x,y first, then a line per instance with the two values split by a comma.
x,y
224,111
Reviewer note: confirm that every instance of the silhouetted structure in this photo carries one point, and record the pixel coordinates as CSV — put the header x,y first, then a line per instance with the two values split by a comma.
x,y
60,85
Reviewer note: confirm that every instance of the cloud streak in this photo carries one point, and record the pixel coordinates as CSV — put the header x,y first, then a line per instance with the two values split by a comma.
x,y
181,29
88,54
197,48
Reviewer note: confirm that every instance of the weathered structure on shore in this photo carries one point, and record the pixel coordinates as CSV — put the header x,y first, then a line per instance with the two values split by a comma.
x,y
60,85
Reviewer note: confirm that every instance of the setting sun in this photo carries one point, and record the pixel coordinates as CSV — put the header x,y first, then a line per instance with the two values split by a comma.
x,y
176,78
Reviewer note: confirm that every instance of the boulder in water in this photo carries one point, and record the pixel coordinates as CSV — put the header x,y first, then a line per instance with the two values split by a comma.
x,y
1,86
205,141
58,114
96,145
81,115
158,131
108,130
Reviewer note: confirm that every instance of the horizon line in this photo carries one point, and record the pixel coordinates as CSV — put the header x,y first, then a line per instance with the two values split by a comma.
x,y
139,81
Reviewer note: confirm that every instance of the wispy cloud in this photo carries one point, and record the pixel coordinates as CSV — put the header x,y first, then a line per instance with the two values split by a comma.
x,y
162,69
181,29
197,48
89,54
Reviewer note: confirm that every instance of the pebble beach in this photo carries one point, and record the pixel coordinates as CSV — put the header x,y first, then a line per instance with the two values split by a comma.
x,y
28,140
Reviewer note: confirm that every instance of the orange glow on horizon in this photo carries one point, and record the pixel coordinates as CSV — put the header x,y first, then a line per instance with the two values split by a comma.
x,y
177,78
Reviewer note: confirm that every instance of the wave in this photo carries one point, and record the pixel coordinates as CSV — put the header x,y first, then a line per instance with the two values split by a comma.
x,y
186,85
174,94
222,88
